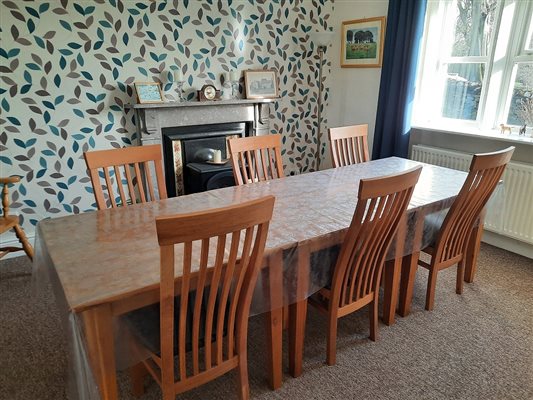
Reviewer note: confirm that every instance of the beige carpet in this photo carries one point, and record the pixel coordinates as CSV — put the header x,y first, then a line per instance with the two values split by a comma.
x,y
475,346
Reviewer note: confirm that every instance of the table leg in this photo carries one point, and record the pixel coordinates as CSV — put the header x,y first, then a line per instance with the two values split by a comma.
x,y
407,284
99,335
391,284
274,320
298,314
409,268
391,288
472,252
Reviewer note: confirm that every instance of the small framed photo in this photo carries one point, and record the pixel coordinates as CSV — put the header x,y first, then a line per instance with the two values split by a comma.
x,y
261,84
148,92
362,43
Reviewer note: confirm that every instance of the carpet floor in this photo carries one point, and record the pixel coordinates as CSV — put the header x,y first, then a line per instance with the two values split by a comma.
x,y
478,345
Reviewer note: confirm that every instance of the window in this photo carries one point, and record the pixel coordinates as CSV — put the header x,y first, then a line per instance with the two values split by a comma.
x,y
476,66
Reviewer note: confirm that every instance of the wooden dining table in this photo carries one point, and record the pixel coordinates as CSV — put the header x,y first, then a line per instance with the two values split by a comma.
x,y
104,264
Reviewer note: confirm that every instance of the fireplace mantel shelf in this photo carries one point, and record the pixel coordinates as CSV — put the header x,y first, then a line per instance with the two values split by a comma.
x,y
171,104
152,119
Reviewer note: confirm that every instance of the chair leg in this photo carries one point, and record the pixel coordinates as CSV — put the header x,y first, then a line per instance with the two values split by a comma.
x,y
168,394
373,312
242,377
331,354
167,383
460,277
24,241
137,374
432,284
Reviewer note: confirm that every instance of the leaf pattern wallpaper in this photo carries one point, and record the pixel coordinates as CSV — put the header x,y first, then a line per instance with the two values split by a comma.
x,y
67,69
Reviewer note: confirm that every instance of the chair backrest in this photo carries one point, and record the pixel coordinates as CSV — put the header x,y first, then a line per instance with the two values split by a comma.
x,y
256,158
381,204
222,254
125,175
485,173
349,145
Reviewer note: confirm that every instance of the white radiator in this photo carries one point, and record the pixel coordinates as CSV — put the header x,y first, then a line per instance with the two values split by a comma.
x,y
510,211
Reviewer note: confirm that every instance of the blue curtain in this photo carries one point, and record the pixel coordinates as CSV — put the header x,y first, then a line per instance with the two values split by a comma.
x,y
405,25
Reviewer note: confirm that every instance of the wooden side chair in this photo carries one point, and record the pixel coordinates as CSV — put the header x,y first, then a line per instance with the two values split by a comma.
x,y
256,158
125,175
349,145
8,222
211,322
381,204
454,241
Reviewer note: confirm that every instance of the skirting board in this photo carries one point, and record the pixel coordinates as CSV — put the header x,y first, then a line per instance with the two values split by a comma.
x,y
13,241
507,243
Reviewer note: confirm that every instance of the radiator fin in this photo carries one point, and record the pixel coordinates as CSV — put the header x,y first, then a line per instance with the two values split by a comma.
x,y
510,210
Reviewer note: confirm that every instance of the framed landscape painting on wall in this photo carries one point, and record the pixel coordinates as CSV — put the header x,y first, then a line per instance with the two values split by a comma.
x,y
362,43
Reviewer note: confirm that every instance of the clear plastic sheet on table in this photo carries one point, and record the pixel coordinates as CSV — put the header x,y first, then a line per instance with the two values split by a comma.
x,y
311,211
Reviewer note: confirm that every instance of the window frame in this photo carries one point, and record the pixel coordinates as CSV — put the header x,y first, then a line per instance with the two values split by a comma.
x,y
507,46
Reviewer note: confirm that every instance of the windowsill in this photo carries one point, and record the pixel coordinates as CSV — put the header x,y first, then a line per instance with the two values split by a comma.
x,y
474,132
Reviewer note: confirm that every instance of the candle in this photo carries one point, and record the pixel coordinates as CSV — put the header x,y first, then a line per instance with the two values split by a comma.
x,y
178,75
233,76
217,156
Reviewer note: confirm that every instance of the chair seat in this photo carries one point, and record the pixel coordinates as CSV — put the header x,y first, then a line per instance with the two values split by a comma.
x,y
6,223
144,324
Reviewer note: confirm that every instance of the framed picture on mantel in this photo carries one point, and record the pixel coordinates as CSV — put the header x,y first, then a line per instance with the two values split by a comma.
x,y
362,43
148,92
261,84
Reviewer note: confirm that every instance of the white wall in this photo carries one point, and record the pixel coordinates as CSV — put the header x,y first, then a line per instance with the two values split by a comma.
x,y
353,91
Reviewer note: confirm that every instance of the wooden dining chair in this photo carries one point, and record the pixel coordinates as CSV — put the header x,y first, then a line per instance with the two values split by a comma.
x,y
349,145
454,240
211,321
125,175
256,158
8,222
381,204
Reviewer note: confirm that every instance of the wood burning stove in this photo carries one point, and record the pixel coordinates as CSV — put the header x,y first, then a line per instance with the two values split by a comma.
x,y
189,167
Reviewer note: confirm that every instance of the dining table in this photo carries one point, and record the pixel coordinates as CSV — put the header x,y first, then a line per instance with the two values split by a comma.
x,y
105,263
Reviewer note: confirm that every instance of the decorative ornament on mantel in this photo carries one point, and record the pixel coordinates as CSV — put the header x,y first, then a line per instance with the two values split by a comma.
x,y
234,80
208,93
180,80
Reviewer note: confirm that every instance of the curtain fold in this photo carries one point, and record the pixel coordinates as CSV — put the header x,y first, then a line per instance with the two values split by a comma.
x,y
405,25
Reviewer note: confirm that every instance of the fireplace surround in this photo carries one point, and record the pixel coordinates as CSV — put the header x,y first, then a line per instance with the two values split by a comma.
x,y
183,129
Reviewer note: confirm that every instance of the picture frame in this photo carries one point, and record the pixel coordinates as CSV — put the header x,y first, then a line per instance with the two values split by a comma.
x,y
261,84
362,43
149,92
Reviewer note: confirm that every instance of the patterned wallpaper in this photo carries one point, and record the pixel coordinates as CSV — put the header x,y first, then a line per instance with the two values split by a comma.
x,y
68,67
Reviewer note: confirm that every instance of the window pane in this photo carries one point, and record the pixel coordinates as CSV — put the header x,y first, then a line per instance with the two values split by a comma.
x,y
529,38
474,24
463,90
521,108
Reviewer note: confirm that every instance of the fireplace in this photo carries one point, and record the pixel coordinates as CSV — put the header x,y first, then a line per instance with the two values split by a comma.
x,y
185,130
187,153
